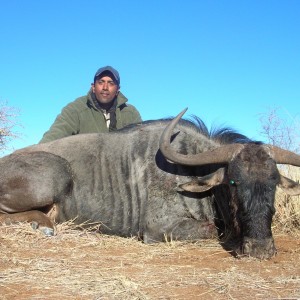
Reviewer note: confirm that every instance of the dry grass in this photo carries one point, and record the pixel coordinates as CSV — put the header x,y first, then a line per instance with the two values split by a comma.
x,y
287,217
82,264
78,264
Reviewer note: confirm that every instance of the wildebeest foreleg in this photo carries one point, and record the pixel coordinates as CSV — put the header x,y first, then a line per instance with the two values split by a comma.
x,y
193,230
185,229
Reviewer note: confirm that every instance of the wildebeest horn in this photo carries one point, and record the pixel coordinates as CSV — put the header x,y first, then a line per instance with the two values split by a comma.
x,y
286,157
222,154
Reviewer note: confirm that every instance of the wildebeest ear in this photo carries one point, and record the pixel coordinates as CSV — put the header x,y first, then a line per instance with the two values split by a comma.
x,y
289,186
205,183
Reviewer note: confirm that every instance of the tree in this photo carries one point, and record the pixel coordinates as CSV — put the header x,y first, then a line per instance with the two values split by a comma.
x,y
281,131
8,123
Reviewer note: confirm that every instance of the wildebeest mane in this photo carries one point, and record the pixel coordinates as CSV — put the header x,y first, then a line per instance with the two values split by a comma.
x,y
219,133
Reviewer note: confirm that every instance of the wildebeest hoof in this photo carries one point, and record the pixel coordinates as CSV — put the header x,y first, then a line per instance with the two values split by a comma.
x,y
34,225
45,230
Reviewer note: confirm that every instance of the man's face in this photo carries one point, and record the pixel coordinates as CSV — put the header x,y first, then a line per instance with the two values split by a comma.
x,y
105,89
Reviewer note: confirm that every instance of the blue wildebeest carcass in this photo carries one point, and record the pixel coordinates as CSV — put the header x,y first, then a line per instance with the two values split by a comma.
x,y
153,181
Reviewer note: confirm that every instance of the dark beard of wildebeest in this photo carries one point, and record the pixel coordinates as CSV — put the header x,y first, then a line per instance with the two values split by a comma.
x,y
153,181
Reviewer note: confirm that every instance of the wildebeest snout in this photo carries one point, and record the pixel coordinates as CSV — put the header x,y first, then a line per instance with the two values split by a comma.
x,y
259,248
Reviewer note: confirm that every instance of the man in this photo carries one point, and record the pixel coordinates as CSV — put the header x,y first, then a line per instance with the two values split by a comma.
x,y
103,109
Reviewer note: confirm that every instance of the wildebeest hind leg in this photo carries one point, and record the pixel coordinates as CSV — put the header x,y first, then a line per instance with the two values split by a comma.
x,y
37,219
32,183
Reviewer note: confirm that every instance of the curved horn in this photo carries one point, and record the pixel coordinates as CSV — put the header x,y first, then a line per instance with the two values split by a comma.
x,y
286,157
222,154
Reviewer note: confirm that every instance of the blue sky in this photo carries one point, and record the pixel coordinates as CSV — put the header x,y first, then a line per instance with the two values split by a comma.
x,y
227,61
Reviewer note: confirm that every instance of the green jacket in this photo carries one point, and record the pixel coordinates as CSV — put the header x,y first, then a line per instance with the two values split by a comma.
x,y
81,116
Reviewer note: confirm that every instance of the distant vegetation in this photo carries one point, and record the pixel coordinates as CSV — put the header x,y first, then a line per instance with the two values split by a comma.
x,y
8,124
281,131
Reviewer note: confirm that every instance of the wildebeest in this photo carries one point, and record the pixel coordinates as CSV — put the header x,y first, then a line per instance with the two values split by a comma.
x,y
134,182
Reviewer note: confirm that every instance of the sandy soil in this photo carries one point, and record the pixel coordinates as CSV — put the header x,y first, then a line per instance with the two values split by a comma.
x,y
86,265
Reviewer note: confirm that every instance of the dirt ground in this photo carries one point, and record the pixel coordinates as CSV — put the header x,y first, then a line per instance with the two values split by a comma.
x,y
86,265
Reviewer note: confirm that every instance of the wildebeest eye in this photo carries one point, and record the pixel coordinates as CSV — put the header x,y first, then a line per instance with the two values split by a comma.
x,y
232,182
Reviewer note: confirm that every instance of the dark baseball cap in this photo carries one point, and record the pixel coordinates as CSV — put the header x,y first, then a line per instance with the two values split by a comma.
x,y
111,70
